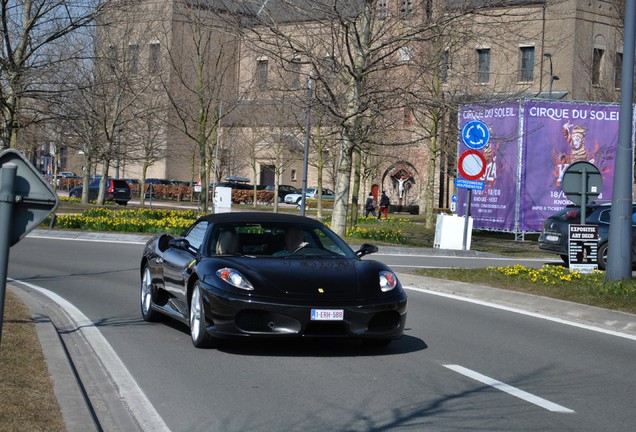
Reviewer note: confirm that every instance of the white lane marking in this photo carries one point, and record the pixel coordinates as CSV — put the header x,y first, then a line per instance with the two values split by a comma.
x,y
129,390
528,397
451,257
524,312
121,240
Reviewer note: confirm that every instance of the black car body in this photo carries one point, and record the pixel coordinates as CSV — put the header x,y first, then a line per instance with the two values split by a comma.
x,y
555,235
283,190
322,289
116,190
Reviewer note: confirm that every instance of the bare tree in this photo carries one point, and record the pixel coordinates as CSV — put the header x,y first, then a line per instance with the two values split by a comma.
x,y
200,85
30,31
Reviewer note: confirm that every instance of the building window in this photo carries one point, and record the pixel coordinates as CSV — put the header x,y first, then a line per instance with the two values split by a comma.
x,y
381,9
405,55
294,176
445,66
597,62
261,74
294,71
154,58
112,59
618,70
483,66
406,8
526,71
408,116
133,59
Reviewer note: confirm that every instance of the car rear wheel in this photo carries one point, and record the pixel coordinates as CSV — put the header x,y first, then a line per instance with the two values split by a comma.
x,y
147,297
602,256
198,332
566,259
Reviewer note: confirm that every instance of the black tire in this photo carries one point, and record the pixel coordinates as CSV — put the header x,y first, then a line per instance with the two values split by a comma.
x,y
122,203
602,256
198,326
147,297
566,259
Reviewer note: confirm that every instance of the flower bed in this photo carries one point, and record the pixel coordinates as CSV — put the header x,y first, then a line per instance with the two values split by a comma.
x,y
138,221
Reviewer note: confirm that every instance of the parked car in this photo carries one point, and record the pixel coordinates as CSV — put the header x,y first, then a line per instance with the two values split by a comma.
x,y
555,235
116,190
310,193
268,275
157,181
67,174
283,191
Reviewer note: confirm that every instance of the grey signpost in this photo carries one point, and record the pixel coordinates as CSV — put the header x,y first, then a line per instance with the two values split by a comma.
x,y
26,199
582,182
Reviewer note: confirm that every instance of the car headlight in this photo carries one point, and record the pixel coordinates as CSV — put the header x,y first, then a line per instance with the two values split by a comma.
x,y
388,281
234,278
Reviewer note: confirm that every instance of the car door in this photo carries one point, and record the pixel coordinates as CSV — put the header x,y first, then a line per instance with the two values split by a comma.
x,y
176,261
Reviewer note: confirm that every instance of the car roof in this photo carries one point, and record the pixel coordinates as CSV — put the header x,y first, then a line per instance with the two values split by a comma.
x,y
259,217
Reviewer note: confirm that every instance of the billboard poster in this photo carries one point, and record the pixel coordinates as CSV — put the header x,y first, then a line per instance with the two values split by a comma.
x,y
494,206
555,136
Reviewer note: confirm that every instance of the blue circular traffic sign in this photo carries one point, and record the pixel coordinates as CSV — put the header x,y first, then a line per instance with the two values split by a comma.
x,y
475,134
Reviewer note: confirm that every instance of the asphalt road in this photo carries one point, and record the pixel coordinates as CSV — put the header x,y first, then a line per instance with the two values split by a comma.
x,y
460,366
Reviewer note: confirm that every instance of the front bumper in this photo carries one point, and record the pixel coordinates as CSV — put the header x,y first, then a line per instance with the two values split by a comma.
x,y
234,316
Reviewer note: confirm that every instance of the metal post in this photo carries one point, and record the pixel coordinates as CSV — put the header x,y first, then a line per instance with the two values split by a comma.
x,y
583,194
469,195
7,201
303,198
620,233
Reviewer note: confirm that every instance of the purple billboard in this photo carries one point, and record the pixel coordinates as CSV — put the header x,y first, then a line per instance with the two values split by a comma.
x,y
494,206
532,142
555,136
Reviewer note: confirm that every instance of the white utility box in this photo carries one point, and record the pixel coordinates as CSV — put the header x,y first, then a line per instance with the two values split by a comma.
x,y
449,232
222,199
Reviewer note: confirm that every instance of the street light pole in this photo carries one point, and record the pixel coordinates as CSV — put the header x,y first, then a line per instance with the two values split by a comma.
x,y
552,76
303,199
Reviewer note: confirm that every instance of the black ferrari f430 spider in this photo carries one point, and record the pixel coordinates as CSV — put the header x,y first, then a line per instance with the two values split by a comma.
x,y
266,275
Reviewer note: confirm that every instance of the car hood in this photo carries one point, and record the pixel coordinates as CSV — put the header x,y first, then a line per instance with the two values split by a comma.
x,y
306,277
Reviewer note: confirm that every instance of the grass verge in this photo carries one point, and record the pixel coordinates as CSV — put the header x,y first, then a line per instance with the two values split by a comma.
x,y
549,281
26,389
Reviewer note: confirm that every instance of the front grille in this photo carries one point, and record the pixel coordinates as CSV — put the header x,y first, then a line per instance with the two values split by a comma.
x,y
384,321
253,321
258,321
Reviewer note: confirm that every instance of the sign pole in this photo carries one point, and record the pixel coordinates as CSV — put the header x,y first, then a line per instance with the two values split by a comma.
x,y
469,194
583,194
7,201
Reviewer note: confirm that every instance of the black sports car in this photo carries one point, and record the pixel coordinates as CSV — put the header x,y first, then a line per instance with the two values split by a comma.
x,y
269,275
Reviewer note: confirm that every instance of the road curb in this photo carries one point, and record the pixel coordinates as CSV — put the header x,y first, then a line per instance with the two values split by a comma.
x,y
615,321
70,396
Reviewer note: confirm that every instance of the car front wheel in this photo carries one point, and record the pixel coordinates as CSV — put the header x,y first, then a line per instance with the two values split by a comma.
x,y
198,332
147,297
602,256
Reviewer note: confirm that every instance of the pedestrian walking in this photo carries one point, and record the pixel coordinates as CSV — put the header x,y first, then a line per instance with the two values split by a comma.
x,y
384,206
370,205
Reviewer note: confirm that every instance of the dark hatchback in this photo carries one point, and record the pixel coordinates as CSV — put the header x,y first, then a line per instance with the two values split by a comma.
x,y
554,238
116,190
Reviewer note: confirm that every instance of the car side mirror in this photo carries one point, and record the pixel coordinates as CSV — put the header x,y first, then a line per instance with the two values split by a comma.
x,y
366,249
180,243
164,242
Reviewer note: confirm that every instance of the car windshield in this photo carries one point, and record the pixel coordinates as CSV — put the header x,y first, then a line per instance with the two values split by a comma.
x,y
276,240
